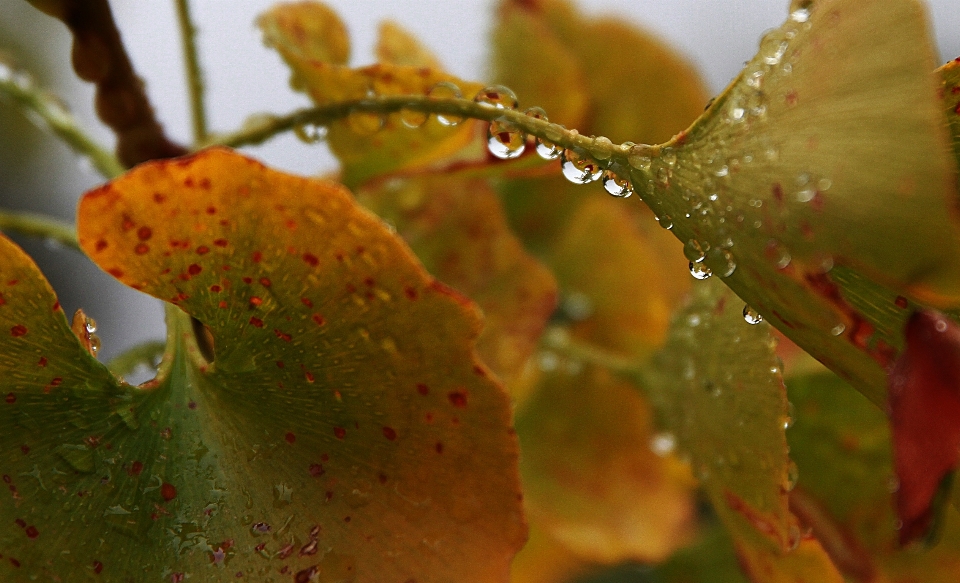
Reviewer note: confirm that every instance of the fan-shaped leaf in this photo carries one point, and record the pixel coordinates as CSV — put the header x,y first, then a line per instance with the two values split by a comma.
x,y
344,431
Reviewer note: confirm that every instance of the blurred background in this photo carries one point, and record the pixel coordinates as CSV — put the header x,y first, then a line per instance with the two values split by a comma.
x,y
243,77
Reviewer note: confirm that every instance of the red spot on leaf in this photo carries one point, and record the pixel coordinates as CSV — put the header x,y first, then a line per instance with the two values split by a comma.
x,y
220,242
280,364
254,321
257,256
158,197
311,259
390,433
316,470
115,272
20,522
13,282
255,301
136,468
216,288
924,404
438,447
265,281
141,249
126,222
168,491
411,293
11,398
144,233
100,245
42,362
458,398
307,302
25,449
423,389
18,330
290,437
32,532
339,432
247,280
319,319
901,302
282,335
14,562
97,567
203,250
194,269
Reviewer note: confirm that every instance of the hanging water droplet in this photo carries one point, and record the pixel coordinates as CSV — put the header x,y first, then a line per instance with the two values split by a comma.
x,y
800,15
615,185
497,96
693,251
309,133
545,149
579,169
412,118
665,221
721,262
505,141
700,271
90,324
446,90
751,316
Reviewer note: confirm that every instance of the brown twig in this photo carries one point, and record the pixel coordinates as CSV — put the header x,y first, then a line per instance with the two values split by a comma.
x,y
99,57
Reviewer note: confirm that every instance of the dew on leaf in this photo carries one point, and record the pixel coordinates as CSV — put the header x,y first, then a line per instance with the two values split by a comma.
x,y
693,251
615,185
700,270
751,316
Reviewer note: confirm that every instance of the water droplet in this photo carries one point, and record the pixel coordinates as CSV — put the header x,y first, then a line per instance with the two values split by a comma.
x,y
663,444
751,316
665,221
497,96
700,270
601,148
412,118
721,262
446,90
545,149
838,330
693,251
90,324
642,163
579,169
309,133
505,141
800,15
615,185
669,157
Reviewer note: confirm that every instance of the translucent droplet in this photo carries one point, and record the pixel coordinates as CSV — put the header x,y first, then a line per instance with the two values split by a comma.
x,y
90,324
601,148
497,96
838,330
777,253
693,251
700,270
663,444
721,262
545,149
579,169
615,185
505,141
665,221
413,118
446,90
800,15
642,163
751,316
309,133
95,344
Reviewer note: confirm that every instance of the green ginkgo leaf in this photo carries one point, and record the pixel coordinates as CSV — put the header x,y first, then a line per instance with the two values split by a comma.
x,y
334,423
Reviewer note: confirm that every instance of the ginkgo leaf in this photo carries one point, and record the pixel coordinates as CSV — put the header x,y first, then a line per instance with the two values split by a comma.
x,y
456,227
367,144
788,175
950,74
397,46
591,479
344,432
841,444
718,382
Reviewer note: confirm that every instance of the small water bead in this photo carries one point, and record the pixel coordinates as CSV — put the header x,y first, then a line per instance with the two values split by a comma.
x,y
721,262
663,444
413,118
616,185
700,271
309,133
665,221
601,148
446,90
579,169
693,251
751,316
497,96
838,330
505,141
545,149
800,15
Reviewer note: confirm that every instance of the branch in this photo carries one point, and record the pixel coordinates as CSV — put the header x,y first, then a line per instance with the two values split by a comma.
x,y
100,58
20,87
43,226
627,156
188,34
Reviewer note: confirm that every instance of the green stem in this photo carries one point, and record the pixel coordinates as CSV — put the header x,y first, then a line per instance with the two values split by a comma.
x,y
39,226
265,127
50,112
558,340
188,34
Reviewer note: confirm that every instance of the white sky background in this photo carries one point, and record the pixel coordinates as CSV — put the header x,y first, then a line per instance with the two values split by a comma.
x,y
244,77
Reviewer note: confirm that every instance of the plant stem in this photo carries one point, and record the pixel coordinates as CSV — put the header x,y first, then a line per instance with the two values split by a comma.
x,y
188,34
558,339
146,354
39,226
264,127
50,113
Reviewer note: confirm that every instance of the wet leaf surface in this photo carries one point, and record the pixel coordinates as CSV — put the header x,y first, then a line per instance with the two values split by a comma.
x,y
718,382
457,229
346,430
841,444
591,479
368,144
787,190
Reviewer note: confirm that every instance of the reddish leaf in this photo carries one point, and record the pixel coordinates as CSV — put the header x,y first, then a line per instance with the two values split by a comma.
x,y
924,403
